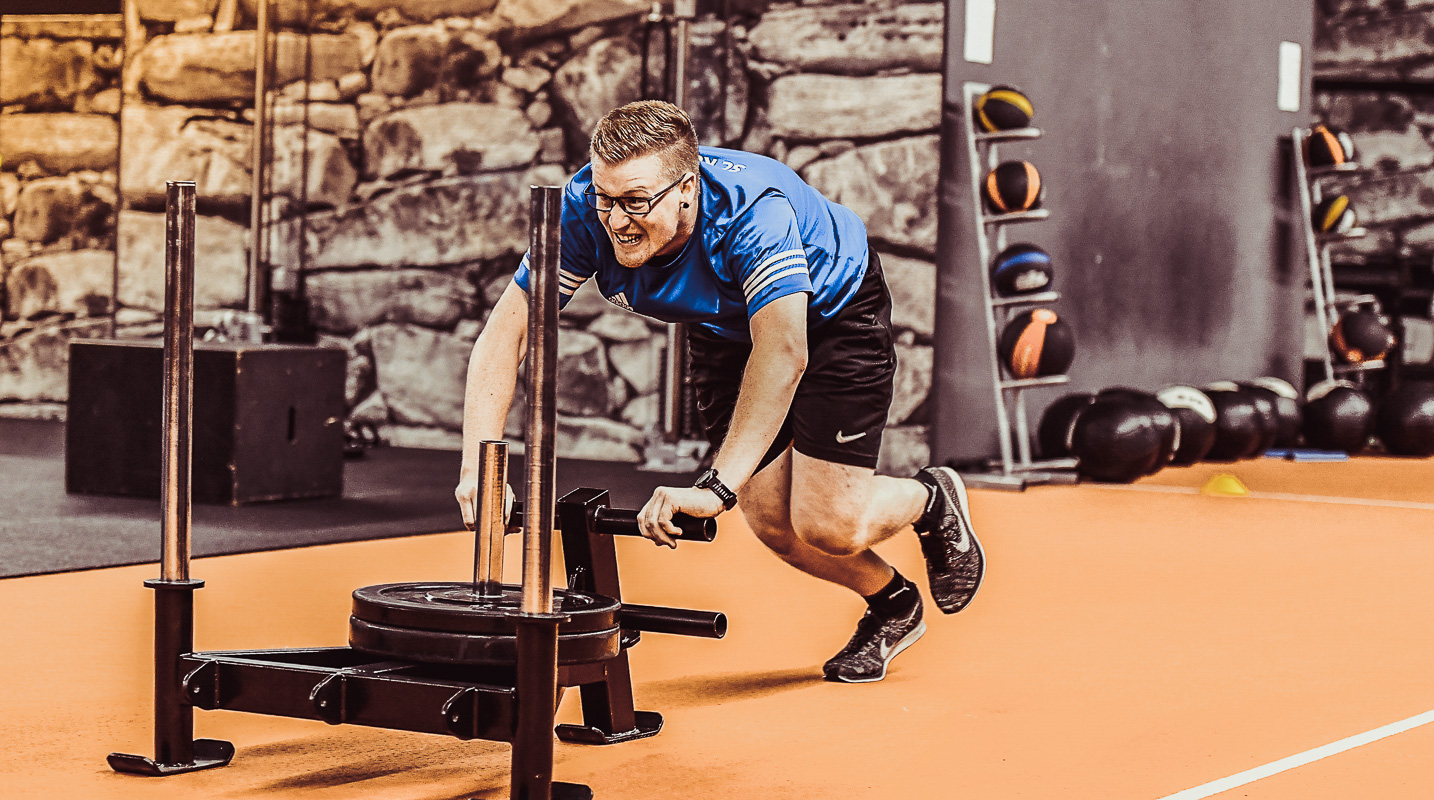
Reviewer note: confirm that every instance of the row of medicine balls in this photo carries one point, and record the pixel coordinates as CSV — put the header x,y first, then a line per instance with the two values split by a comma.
x,y
1013,185
1326,147
1036,342
1120,435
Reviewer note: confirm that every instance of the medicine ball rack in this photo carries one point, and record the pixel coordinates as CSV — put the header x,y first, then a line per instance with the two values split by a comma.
x,y
1014,471
1326,308
478,660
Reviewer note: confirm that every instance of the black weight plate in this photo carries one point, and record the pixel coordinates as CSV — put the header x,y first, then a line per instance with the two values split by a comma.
x,y
440,647
425,606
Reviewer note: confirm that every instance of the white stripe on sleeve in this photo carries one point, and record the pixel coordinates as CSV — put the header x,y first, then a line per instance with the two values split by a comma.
x,y
774,262
802,270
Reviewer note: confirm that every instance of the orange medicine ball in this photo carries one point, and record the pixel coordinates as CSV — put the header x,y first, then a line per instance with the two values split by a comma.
x,y
1328,148
1036,343
1013,186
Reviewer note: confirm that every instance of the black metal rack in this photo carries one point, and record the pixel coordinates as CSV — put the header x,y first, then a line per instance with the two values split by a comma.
x,y
342,685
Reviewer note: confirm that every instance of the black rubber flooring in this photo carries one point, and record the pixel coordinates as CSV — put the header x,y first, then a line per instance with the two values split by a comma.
x,y
389,492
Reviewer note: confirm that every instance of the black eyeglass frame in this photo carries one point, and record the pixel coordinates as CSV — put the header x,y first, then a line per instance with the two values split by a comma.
x,y
594,198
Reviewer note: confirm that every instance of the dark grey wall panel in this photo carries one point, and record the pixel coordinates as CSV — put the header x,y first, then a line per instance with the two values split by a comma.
x,y
1165,164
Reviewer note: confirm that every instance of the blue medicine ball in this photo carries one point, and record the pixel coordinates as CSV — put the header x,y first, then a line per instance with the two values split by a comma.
x,y
1021,269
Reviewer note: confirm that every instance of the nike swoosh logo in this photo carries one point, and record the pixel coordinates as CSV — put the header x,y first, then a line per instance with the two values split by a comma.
x,y
884,648
844,439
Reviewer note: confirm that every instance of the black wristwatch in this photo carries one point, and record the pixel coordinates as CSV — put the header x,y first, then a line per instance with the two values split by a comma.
x,y
709,480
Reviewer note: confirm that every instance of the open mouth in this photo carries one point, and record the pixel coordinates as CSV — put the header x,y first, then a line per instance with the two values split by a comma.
x,y
627,240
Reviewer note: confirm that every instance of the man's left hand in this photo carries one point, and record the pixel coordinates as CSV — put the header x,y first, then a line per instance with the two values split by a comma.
x,y
655,518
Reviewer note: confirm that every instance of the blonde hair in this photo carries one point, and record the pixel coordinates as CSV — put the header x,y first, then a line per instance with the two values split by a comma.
x,y
647,127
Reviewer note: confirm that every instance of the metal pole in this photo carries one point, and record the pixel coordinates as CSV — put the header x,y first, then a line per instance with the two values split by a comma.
x,y
1323,291
490,526
175,748
178,411
676,358
983,252
256,186
544,246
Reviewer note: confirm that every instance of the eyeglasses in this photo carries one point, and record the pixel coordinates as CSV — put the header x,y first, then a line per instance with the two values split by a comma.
x,y
631,206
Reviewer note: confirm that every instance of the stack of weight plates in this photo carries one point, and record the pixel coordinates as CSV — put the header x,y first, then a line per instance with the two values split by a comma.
x,y
446,623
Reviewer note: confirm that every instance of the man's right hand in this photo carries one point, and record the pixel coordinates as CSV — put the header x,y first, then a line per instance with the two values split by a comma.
x,y
467,495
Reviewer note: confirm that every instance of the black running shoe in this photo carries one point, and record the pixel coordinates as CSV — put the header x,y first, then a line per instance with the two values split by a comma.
x,y
954,562
877,640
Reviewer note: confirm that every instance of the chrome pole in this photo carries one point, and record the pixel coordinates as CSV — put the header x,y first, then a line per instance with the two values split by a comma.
x,y
178,413
256,185
539,510
489,523
676,358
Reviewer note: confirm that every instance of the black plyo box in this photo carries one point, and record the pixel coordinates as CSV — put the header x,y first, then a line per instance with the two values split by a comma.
x,y
267,420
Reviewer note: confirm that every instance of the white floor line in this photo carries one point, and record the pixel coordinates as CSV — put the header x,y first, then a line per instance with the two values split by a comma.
x,y
1300,759
1299,498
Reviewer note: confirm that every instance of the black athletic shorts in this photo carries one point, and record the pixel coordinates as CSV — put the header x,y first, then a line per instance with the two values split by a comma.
x,y
839,411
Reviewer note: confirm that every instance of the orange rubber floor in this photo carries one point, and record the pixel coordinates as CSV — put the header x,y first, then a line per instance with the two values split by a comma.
x,y
1143,642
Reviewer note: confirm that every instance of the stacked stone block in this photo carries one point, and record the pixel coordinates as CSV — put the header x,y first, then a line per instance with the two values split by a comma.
x,y
59,96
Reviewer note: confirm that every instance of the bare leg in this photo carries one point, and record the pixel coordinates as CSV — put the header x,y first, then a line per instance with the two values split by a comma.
x,y
843,510
766,502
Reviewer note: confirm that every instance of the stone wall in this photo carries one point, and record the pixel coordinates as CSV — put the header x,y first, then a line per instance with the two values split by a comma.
x,y
427,120
59,100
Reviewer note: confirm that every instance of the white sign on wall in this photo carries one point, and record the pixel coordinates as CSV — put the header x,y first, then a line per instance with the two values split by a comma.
x,y
1291,61
980,30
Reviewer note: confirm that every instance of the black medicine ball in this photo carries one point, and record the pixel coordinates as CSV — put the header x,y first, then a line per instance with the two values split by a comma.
x,y
1196,416
1405,421
1161,417
1287,408
1053,435
1265,406
1021,269
1036,343
1013,186
1361,336
1239,425
1334,215
1337,417
1328,148
1003,108
1115,441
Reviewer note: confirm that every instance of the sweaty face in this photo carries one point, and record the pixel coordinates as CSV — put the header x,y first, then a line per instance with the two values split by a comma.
x,y
661,232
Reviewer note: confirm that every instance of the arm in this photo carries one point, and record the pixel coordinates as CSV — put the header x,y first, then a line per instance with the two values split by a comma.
x,y
488,392
779,357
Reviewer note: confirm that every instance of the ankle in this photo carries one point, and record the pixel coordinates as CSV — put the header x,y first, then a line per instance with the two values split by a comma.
x,y
927,518
896,598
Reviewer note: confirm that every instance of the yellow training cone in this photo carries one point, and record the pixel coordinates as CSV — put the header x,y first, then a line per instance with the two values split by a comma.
x,y
1225,485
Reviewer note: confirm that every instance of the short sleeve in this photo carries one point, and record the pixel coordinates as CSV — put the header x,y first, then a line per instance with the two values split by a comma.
x,y
579,250
766,253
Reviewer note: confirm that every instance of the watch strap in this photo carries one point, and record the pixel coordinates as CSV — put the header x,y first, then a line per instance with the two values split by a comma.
x,y
710,481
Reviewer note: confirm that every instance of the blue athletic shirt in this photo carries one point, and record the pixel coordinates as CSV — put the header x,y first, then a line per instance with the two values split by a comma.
x,y
761,233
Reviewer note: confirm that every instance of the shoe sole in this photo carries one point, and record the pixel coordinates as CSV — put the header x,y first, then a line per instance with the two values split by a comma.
x,y
906,641
963,504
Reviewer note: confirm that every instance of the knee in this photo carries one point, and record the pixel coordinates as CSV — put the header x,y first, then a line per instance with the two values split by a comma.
x,y
833,535
773,531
